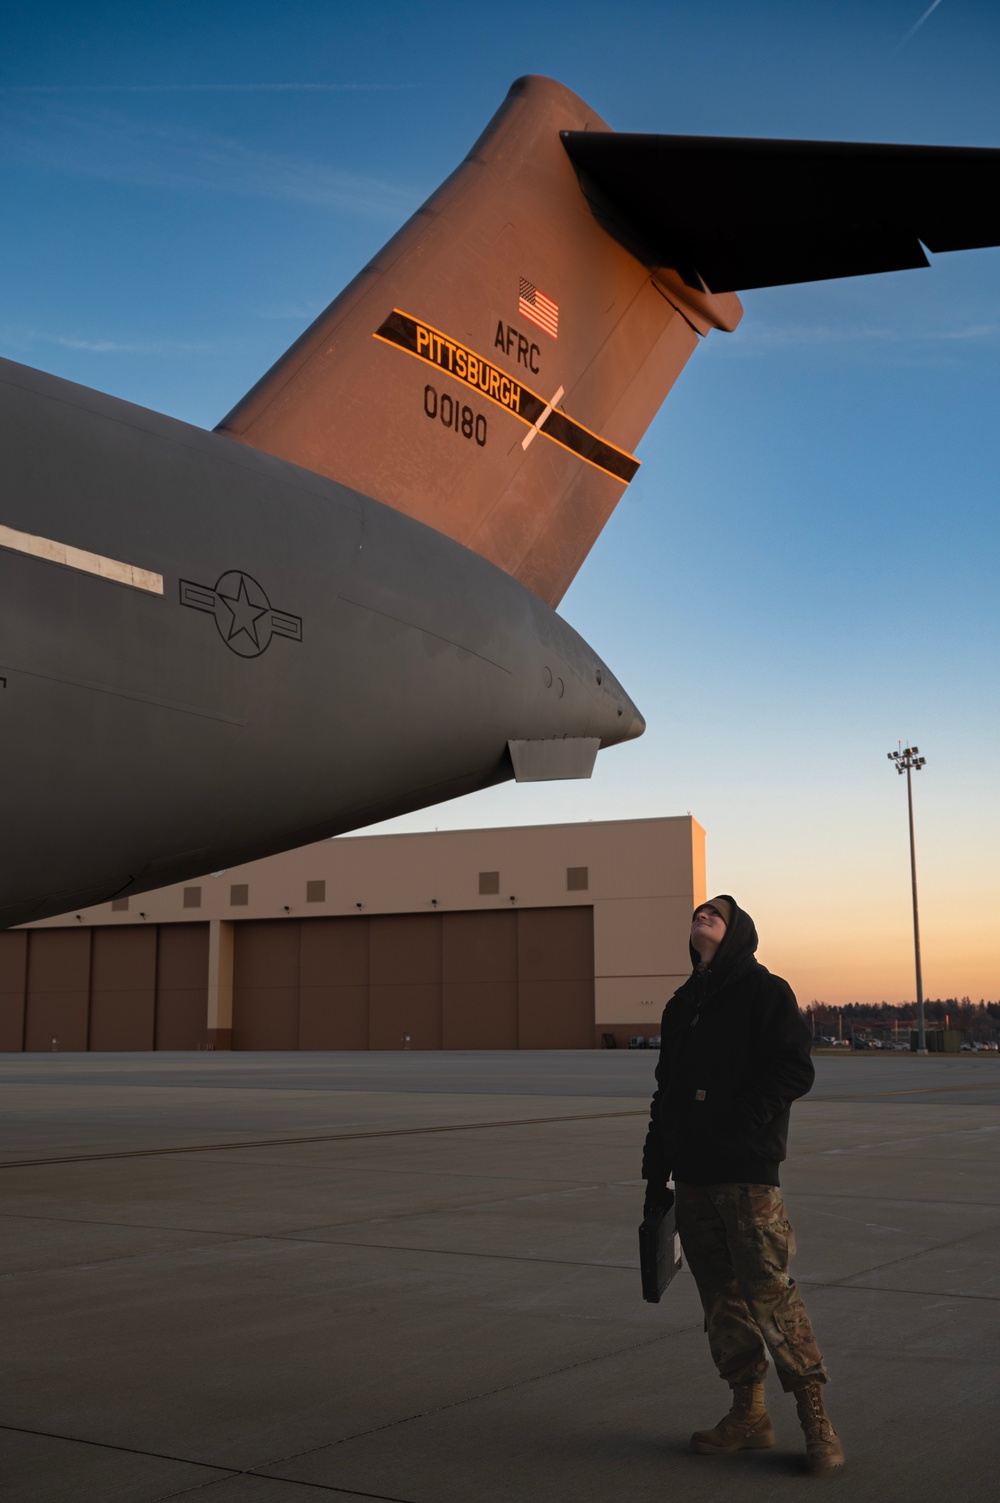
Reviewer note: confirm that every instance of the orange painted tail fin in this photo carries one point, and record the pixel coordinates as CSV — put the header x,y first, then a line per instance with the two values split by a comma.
x,y
493,369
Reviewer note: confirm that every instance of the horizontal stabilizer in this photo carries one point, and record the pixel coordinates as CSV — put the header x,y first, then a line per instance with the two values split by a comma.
x,y
732,213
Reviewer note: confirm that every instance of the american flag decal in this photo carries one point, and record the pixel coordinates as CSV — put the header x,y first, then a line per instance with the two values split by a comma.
x,y
538,309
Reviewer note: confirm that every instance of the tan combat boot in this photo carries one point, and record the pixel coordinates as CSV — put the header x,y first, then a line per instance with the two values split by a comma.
x,y
747,1426
824,1453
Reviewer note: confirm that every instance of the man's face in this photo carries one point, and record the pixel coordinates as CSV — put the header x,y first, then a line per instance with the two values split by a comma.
x,y
708,930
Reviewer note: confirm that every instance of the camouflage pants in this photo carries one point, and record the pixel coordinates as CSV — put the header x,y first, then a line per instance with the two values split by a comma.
x,y
738,1242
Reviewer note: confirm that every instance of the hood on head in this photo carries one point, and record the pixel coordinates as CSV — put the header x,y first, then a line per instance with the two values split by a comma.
x,y
739,943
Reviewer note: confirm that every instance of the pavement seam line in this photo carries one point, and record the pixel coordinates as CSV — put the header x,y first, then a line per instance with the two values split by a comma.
x,y
336,1137
908,1258
924,1293
263,1237
397,1132
346,1492
228,1472
905,1091
59,1269
454,1252
892,1200
295,1236
476,1398
256,1471
103,1445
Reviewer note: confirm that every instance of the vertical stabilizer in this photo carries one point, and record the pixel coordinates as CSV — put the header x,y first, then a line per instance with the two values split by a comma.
x,y
493,369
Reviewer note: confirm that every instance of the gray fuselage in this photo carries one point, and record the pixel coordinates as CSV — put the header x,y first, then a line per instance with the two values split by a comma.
x,y
316,661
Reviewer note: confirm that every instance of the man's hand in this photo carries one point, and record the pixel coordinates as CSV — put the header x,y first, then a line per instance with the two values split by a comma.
x,y
659,1199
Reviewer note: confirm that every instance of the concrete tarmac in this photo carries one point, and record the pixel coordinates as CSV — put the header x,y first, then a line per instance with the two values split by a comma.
x,y
265,1278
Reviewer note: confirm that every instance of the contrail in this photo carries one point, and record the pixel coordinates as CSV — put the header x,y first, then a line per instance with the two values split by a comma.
x,y
914,29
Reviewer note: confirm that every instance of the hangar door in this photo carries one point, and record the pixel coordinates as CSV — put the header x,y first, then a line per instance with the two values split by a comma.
x,y
120,987
480,980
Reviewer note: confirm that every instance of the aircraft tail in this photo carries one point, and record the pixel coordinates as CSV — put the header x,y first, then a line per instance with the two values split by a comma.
x,y
493,369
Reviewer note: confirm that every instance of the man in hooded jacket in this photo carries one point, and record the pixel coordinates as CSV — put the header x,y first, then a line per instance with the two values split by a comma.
x,y
735,1054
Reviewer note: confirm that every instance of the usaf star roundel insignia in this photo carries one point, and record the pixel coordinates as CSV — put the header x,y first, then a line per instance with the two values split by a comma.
x,y
244,616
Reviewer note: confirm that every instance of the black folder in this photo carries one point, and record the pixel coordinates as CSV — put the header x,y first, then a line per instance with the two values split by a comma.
x,y
659,1253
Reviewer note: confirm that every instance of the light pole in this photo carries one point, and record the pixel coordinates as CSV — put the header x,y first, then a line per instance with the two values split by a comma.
x,y
907,761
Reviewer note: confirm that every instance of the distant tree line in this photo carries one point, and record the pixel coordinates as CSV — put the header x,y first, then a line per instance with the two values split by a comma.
x,y
980,1021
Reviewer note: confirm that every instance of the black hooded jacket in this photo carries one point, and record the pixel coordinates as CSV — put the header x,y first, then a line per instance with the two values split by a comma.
x,y
734,1056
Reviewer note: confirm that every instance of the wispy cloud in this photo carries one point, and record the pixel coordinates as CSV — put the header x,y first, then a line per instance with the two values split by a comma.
x,y
914,29
28,339
796,334
210,88
970,332
115,147
127,347
757,334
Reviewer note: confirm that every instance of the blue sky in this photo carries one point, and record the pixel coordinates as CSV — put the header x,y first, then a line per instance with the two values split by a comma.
x,y
804,570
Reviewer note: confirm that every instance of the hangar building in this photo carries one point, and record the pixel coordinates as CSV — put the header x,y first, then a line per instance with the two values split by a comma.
x,y
530,937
